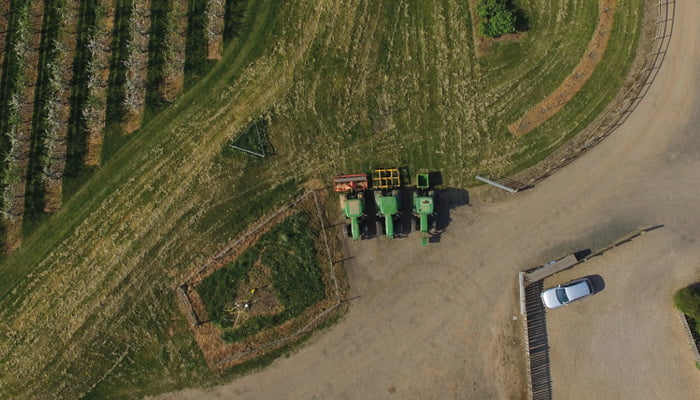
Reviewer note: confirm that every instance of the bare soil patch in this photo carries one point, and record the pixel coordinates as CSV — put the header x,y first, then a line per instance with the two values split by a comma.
x,y
578,77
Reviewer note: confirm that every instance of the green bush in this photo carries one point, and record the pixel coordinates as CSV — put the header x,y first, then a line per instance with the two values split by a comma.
x,y
497,18
687,300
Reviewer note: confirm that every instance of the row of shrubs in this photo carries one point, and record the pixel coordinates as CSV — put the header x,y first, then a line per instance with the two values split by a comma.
x,y
73,71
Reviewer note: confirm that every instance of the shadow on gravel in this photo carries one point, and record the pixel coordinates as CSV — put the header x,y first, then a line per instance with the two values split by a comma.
x,y
581,254
447,199
598,283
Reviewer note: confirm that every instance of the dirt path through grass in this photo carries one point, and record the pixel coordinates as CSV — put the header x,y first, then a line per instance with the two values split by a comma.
x,y
578,77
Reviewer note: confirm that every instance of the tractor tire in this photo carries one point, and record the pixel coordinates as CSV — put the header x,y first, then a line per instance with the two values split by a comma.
x,y
341,200
380,228
348,230
416,224
397,194
398,227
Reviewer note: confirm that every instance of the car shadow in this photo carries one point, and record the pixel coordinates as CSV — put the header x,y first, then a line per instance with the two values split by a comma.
x,y
598,283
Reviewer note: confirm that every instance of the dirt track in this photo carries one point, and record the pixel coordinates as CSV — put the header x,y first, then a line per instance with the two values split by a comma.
x,y
437,322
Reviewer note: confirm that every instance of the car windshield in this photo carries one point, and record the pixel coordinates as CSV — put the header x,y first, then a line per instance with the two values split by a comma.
x,y
561,296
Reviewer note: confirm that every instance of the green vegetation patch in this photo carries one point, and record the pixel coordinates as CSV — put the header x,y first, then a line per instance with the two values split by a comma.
x,y
687,300
289,253
497,17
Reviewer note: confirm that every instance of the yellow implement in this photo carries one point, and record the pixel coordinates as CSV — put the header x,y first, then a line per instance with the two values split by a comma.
x,y
386,178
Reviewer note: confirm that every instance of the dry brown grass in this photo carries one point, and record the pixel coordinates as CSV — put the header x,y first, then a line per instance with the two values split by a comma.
x,y
548,107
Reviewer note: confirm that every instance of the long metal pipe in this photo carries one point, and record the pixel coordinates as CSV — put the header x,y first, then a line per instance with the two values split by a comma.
x,y
496,184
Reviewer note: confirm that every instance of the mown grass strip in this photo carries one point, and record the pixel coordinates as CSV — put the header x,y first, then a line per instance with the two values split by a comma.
x,y
167,67
214,12
235,15
196,63
92,68
136,63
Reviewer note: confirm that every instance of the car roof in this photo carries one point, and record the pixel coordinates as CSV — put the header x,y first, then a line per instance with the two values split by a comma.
x,y
577,289
549,297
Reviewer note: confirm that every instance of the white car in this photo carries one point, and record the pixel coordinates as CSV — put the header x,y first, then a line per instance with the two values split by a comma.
x,y
567,292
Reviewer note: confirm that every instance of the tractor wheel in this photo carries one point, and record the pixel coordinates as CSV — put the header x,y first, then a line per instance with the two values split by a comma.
x,y
380,228
416,224
341,199
397,194
348,230
433,225
398,226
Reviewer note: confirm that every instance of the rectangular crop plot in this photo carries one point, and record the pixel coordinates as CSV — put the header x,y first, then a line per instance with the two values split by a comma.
x,y
271,282
267,288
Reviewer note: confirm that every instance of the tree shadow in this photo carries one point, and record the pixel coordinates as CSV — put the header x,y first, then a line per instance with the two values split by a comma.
x,y
522,22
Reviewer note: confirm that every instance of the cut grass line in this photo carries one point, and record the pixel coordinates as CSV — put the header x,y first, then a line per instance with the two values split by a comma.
x,y
136,64
578,77
93,113
60,78
214,12
173,69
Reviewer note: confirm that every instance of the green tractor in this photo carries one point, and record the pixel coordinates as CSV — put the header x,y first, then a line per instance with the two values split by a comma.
x,y
387,196
352,202
424,215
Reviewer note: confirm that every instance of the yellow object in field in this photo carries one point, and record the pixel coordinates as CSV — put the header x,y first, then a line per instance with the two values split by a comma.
x,y
252,291
386,178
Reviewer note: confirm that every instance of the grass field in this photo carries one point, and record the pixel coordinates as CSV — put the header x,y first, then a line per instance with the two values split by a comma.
x,y
87,304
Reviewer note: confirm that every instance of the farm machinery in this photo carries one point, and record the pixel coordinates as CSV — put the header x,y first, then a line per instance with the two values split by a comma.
x,y
387,196
352,202
424,216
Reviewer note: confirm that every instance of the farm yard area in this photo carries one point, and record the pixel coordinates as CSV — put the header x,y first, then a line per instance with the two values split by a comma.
x,y
146,145
599,342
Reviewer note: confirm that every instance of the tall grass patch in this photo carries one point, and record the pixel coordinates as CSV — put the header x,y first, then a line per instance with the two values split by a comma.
x,y
288,250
